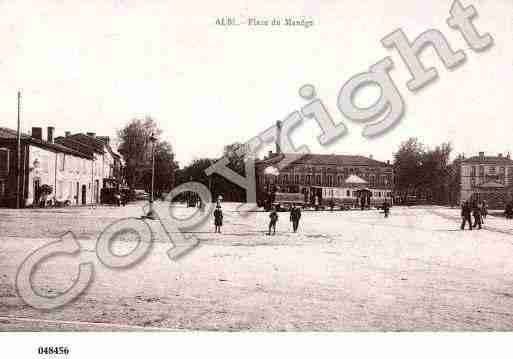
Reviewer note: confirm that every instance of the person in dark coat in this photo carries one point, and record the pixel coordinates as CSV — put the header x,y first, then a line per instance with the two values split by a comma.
x,y
218,219
465,215
476,212
484,209
295,215
508,212
273,219
386,208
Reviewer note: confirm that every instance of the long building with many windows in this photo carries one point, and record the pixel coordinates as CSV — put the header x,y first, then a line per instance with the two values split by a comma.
x,y
322,178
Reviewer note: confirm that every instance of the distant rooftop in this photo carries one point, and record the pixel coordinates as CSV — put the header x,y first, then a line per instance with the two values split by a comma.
x,y
9,134
482,159
326,159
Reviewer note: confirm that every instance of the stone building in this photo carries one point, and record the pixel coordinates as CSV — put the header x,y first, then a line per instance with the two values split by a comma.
x,y
107,165
42,162
487,178
324,177
76,169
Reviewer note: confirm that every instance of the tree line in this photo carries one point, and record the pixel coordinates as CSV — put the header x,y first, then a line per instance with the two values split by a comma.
x,y
421,172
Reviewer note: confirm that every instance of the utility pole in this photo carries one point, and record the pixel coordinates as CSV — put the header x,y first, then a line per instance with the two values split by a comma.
x,y
18,155
151,213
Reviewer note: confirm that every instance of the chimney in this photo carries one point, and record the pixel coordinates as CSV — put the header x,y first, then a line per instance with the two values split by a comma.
x,y
67,133
499,155
481,155
508,156
371,156
278,137
270,154
92,134
49,133
388,162
37,132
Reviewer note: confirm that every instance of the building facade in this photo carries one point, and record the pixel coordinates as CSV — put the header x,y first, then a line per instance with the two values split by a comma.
x,y
76,172
42,162
487,178
107,170
322,178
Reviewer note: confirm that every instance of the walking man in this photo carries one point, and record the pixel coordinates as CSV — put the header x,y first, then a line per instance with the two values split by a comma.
x,y
465,215
476,212
295,215
386,208
484,209
273,219
218,219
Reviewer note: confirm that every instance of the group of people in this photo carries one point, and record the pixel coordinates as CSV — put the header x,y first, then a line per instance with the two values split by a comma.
x,y
475,209
295,216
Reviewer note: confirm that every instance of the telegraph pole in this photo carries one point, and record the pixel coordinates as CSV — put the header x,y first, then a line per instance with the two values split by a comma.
x,y
18,155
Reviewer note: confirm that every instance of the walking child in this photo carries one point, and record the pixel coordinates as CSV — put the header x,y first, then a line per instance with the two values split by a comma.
x,y
273,219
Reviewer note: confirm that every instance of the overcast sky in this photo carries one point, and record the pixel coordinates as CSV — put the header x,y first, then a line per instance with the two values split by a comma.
x,y
91,66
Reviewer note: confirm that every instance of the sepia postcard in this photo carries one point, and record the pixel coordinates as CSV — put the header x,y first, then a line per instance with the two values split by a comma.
x,y
329,167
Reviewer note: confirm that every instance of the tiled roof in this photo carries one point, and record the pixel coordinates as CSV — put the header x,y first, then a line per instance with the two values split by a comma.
x,y
90,141
9,134
488,160
325,159
76,145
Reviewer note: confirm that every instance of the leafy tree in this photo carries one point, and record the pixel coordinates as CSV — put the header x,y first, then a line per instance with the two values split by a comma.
x,y
136,146
424,172
217,184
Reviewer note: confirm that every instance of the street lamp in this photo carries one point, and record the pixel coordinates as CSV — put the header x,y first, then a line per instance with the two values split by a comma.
x,y
151,213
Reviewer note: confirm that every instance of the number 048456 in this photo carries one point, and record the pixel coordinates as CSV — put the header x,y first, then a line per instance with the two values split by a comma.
x,y
51,350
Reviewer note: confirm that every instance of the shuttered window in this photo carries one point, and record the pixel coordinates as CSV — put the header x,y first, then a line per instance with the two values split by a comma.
x,y
4,161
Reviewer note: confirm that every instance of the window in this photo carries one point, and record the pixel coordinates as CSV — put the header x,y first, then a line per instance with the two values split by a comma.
x,y
285,179
319,180
4,161
348,193
481,171
297,179
330,181
473,171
